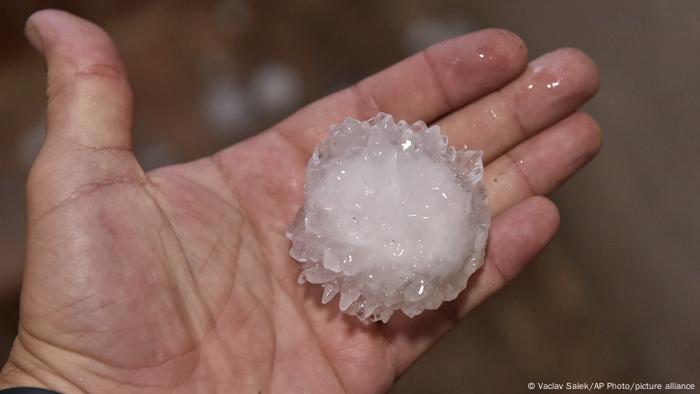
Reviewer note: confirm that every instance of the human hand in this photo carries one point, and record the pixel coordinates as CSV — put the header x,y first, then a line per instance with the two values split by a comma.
x,y
179,279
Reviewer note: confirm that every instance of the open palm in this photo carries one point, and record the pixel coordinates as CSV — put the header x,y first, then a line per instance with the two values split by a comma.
x,y
179,279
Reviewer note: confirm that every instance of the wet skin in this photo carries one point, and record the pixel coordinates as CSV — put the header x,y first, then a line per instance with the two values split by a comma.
x,y
179,279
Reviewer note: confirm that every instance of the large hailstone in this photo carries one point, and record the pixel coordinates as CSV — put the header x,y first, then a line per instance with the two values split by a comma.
x,y
392,219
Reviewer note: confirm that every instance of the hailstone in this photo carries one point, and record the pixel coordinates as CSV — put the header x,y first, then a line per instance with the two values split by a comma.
x,y
393,218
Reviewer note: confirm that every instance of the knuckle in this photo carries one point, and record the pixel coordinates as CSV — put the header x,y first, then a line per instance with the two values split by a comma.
x,y
99,79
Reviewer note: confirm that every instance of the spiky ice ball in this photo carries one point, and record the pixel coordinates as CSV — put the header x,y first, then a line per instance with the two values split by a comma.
x,y
392,219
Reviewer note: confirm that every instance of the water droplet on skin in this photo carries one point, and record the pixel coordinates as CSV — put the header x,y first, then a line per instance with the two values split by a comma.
x,y
530,86
492,113
552,85
481,56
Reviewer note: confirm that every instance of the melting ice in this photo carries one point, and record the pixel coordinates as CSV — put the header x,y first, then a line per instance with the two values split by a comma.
x,y
392,219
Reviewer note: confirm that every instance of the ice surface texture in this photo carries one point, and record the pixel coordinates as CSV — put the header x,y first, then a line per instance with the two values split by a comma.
x,y
392,219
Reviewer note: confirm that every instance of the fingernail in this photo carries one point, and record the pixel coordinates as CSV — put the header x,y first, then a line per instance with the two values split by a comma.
x,y
34,37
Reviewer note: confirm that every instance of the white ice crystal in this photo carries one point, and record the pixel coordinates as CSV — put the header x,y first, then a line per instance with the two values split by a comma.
x,y
392,219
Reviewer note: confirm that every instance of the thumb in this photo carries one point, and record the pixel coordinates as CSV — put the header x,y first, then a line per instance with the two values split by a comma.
x,y
88,136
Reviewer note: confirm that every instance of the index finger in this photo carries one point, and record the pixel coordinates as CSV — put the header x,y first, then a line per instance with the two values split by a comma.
x,y
425,86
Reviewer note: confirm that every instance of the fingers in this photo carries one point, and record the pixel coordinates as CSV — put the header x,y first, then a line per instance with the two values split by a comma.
x,y
523,224
516,236
552,87
540,164
445,76
427,85
88,139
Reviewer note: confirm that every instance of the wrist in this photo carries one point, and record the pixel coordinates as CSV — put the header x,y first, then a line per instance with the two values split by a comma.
x,y
11,376
23,370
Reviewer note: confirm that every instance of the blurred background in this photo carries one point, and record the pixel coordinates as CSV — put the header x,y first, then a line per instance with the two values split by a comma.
x,y
616,296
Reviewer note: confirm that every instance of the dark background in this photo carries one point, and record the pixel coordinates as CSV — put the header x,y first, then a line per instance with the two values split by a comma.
x,y
616,297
